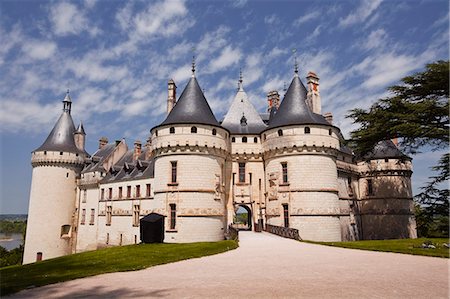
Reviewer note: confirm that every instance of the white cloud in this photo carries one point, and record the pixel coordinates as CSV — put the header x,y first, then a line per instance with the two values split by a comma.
x,y
271,20
313,35
376,40
39,50
364,11
67,19
276,83
227,57
275,52
239,3
306,18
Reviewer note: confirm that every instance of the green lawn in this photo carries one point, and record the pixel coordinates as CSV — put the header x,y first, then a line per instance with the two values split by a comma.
x,y
408,246
114,259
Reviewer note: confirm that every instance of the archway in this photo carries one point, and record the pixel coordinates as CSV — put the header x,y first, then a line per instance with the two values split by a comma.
x,y
152,228
243,218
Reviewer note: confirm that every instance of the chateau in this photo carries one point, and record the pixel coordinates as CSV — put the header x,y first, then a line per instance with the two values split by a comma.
x,y
287,167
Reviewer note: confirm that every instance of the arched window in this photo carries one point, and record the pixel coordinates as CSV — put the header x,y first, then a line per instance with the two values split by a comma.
x,y
156,133
280,132
172,130
255,140
307,130
214,132
264,136
233,139
194,130
244,139
330,132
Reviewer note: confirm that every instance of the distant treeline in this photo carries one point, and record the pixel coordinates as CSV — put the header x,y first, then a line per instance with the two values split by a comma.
x,y
14,217
13,227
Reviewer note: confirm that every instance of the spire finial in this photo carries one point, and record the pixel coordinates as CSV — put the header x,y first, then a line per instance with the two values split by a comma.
x,y
193,62
284,87
294,51
240,79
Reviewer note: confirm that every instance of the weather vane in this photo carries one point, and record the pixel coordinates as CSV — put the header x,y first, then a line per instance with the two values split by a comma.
x,y
294,51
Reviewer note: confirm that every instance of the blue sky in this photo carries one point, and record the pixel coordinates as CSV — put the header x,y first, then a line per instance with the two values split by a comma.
x,y
117,56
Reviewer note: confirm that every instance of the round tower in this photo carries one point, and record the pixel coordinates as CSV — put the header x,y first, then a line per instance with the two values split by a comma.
x,y
300,149
56,166
190,148
387,207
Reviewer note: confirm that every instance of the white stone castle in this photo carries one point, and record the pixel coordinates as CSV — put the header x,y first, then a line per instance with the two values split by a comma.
x,y
287,167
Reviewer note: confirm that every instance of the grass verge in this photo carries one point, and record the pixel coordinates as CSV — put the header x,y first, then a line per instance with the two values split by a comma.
x,y
114,259
408,246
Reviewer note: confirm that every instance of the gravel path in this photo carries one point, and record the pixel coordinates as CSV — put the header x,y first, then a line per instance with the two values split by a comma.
x,y
267,266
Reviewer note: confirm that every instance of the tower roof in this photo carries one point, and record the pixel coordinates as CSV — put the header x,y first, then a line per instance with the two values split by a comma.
x,y
61,137
242,117
191,107
385,149
293,109
80,129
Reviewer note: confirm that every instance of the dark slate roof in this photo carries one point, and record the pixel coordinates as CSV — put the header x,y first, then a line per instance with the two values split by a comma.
x,y
61,138
80,129
242,117
191,108
98,158
294,110
385,149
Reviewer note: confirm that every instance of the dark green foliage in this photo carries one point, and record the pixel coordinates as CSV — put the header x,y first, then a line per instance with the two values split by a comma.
x,y
12,257
11,227
408,246
418,114
114,259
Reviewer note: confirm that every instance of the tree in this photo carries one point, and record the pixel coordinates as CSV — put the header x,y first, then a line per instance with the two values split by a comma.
x,y
417,112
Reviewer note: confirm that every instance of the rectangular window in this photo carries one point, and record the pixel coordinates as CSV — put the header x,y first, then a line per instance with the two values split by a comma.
x,y
136,209
128,191
138,190
174,171
286,215
173,215
91,221
110,193
234,178
149,190
83,217
285,172
120,192
84,195
102,193
250,178
108,215
369,187
241,172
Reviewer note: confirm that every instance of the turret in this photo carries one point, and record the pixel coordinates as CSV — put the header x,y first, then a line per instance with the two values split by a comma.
x,y
80,137
190,138
387,207
57,164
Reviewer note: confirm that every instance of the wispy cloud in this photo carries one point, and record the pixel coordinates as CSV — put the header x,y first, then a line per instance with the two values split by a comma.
x,y
67,19
364,11
36,49
306,18
227,57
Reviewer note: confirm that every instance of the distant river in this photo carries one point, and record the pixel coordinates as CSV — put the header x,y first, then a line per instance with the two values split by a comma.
x,y
10,241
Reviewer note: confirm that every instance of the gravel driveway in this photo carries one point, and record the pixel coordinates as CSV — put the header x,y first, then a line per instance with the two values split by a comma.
x,y
268,266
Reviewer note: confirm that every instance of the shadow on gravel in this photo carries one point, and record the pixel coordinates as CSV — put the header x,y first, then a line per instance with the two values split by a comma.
x,y
98,292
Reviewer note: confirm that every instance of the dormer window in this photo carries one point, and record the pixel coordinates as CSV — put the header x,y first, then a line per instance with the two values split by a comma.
x,y
244,139
280,132
330,132
243,121
172,130
214,132
307,130
193,129
233,139
255,140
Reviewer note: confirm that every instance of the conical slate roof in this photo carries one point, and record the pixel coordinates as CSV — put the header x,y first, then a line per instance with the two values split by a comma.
x,y
242,118
385,149
293,109
80,129
191,108
61,138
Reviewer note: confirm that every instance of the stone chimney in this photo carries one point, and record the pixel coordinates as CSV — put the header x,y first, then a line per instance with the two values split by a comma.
x,y
395,140
313,97
148,147
102,142
171,95
329,117
137,149
273,100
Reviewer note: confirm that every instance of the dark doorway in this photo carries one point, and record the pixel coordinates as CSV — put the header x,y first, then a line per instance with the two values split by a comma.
x,y
243,218
152,228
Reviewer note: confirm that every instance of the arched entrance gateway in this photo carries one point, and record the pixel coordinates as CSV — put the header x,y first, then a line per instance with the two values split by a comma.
x,y
152,228
243,217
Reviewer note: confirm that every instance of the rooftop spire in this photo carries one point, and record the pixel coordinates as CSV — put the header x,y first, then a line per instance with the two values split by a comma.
x,y
240,80
295,62
67,102
193,66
